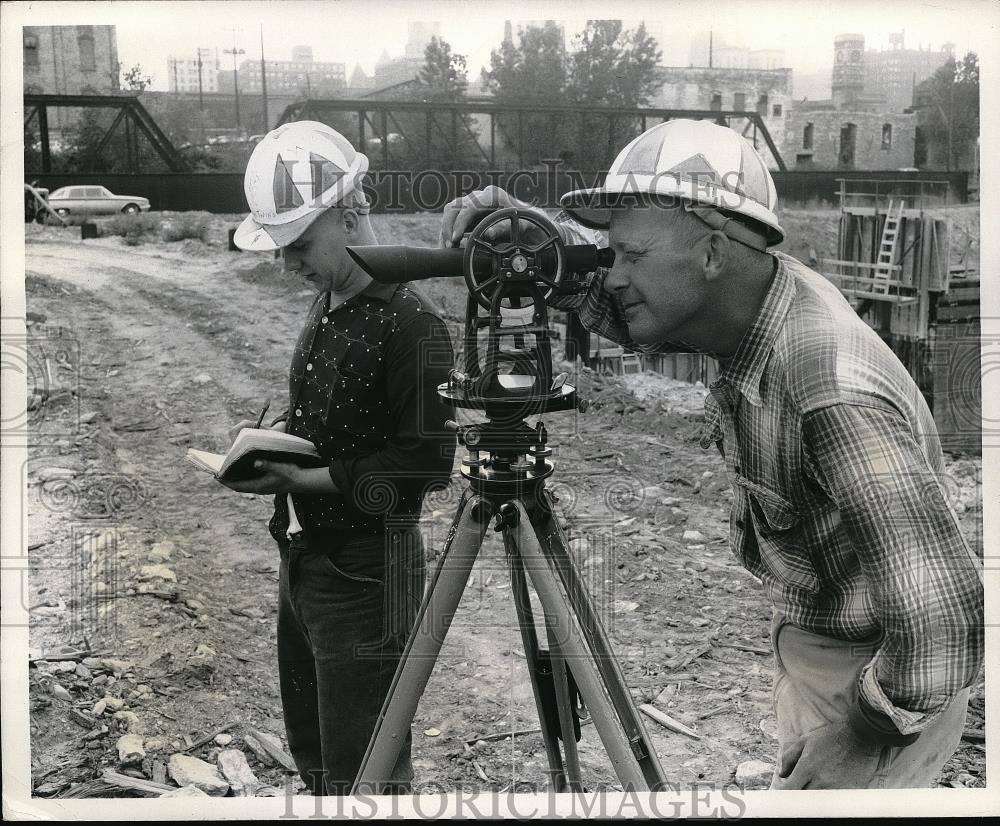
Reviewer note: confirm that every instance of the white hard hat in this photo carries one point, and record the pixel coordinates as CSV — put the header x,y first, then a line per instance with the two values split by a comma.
x,y
296,172
697,161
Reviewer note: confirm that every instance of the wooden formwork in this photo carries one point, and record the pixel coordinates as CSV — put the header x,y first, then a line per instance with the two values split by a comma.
x,y
913,300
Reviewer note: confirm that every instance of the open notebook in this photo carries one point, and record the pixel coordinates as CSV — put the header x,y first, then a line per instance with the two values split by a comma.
x,y
251,444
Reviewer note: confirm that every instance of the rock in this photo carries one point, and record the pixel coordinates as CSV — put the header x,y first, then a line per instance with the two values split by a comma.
x,y
234,767
130,750
259,751
161,551
696,565
128,721
205,651
693,536
185,770
82,671
186,791
699,622
114,703
754,773
432,732
696,547
117,667
670,501
61,693
769,727
63,667
223,739
49,474
87,418
99,708
623,606
202,378
148,572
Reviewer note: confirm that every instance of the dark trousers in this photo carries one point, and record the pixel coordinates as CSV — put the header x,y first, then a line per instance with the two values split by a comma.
x,y
344,615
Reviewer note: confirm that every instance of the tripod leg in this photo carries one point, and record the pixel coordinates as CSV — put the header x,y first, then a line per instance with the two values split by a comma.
x,y
529,639
434,618
564,705
570,614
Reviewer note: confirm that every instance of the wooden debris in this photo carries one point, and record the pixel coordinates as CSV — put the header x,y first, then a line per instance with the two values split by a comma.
x,y
270,744
123,781
712,712
739,647
503,735
667,721
81,719
974,735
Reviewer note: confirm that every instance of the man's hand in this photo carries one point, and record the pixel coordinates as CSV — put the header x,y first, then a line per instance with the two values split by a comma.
x,y
832,757
236,428
275,477
462,214
284,477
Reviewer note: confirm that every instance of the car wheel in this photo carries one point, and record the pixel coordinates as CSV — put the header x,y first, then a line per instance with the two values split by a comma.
x,y
130,209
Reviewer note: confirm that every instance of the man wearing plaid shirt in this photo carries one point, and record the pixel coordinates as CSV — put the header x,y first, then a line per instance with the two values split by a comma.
x,y
831,450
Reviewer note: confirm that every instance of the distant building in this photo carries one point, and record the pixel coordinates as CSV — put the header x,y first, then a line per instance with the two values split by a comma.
x,y
764,91
710,50
894,73
183,72
69,60
853,129
300,75
359,83
390,71
418,36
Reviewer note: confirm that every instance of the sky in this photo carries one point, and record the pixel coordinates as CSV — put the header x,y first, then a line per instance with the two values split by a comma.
x,y
352,31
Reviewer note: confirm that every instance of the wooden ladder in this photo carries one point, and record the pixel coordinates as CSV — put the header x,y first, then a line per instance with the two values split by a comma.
x,y
882,273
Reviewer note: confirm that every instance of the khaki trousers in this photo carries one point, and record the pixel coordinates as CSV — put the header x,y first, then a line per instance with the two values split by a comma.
x,y
816,683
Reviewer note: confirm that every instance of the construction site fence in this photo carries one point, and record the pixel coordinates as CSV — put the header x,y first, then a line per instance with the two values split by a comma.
x,y
407,191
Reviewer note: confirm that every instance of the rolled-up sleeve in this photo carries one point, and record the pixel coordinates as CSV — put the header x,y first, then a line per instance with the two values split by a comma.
x,y
420,452
925,582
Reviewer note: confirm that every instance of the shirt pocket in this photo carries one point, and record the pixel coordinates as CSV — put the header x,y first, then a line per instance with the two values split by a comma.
x,y
778,528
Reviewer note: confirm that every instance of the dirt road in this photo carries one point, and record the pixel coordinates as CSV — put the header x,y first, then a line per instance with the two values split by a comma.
x,y
169,579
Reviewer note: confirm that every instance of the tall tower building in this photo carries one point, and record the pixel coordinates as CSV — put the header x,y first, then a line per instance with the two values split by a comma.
x,y
848,70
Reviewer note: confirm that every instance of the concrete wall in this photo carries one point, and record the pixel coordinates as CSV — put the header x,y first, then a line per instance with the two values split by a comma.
x,y
868,150
694,88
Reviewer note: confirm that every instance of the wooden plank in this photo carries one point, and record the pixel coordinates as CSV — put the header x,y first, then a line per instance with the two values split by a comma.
x,y
967,312
667,721
876,296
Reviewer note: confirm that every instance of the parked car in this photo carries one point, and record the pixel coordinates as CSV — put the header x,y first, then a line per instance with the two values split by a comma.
x,y
95,200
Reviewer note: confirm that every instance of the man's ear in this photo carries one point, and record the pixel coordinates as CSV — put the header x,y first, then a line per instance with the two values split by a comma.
x,y
351,221
716,253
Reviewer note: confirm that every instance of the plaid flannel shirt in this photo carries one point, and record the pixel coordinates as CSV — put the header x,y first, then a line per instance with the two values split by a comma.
x,y
838,508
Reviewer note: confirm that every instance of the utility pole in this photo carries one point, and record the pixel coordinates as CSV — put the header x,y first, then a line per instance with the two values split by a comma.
x,y
263,78
235,52
710,48
201,96
173,65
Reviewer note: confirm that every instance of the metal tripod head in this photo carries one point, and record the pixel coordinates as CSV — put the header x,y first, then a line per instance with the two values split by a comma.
x,y
513,262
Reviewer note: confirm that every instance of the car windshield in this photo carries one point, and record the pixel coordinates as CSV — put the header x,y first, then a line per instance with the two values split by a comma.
x,y
63,192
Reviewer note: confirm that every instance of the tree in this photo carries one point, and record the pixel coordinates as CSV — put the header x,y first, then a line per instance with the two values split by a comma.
x,y
443,75
613,67
434,140
610,66
136,79
950,102
532,72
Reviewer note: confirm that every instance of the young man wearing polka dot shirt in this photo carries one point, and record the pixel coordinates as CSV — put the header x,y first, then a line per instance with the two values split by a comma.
x,y
362,388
